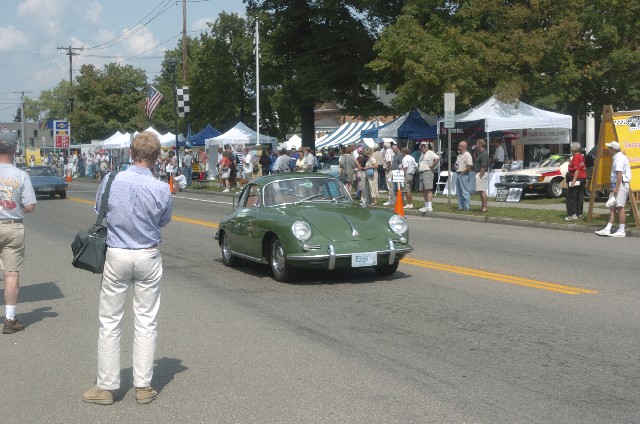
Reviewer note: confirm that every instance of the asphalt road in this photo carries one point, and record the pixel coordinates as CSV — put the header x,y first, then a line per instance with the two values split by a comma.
x,y
484,323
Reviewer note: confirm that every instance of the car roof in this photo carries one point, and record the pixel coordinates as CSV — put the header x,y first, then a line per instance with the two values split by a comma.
x,y
266,179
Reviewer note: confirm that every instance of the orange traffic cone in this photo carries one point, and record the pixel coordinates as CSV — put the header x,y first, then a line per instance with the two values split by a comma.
x,y
171,189
399,209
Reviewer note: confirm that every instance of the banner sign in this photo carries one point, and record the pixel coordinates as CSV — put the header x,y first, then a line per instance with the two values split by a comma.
x,y
62,134
545,136
627,129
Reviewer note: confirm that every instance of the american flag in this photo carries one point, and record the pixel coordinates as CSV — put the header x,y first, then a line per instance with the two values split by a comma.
x,y
152,101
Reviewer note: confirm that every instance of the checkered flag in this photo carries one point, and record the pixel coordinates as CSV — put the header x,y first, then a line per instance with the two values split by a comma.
x,y
183,101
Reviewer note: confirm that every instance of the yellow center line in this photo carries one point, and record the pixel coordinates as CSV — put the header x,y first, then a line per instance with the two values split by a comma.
x,y
173,217
510,279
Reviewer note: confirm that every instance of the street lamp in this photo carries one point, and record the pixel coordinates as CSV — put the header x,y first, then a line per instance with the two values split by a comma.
x,y
171,66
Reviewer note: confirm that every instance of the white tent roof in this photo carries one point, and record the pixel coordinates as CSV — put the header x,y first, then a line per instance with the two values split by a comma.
x,y
109,140
348,133
121,142
294,142
240,133
168,139
499,116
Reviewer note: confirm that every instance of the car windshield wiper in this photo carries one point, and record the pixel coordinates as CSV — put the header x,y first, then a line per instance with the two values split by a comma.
x,y
315,196
335,199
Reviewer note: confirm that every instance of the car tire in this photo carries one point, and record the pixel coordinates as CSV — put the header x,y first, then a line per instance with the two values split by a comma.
x,y
281,270
555,189
52,195
63,194
387,270
228,259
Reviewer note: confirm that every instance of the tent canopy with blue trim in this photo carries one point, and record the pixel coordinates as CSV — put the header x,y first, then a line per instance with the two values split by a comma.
x,y
413,125
199,138
348,133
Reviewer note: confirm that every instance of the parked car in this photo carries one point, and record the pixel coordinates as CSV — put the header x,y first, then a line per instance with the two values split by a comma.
x,y
547,178
45,180
309,221
329,166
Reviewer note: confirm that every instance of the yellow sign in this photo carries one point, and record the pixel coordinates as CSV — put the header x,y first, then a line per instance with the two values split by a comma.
x,y
627,127
28,153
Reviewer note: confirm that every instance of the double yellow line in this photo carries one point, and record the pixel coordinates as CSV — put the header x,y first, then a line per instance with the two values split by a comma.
x,y
509,279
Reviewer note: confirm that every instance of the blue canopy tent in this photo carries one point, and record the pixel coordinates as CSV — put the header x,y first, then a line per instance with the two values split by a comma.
x,y
413,125
198,139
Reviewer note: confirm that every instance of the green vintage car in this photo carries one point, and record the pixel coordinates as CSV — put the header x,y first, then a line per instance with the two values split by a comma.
x,y
292,221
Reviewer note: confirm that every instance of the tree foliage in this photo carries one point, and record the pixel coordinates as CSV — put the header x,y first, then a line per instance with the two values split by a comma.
x,y
571,56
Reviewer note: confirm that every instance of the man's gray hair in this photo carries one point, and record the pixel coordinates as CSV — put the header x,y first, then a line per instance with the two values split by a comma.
x,y
575,146
8,141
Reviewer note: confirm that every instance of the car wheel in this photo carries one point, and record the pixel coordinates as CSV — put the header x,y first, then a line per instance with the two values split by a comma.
x,y
387,270
227,257
555,189
281,270
63,194
52,195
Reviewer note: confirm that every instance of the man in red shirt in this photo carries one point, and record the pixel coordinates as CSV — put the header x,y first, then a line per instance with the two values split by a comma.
x,y
575,180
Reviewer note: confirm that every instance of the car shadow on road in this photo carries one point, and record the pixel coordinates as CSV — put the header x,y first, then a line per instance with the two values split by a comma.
x,y
164,371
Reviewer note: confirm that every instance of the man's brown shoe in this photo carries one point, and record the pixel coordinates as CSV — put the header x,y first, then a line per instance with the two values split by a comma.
x,y
145,394
11,326
98,395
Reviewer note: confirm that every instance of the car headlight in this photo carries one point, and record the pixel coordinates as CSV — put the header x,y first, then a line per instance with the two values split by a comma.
x,y
301,230
503,179
533,179
398,224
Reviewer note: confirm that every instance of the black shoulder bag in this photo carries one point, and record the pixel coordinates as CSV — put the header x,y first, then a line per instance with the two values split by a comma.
x,y
90,247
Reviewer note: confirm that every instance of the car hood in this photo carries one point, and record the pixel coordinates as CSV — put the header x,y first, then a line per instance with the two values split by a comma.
x,y
533,171
341,223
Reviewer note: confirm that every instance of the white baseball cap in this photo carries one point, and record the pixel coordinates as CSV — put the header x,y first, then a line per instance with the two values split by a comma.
x,y
613,145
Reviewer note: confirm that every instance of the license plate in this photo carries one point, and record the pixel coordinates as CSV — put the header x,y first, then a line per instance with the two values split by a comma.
x,y
47,189
364,259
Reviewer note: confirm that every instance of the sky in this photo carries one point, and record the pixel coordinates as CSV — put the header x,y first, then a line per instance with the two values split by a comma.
x,y
130,32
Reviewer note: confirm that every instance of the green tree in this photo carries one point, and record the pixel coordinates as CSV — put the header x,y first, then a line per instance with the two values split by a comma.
x,y
318,51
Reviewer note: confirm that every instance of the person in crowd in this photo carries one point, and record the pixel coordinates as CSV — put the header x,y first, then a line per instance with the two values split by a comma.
x,y
309,161
378,155
371,176
300,161
481,167
233,172
247,165
274,157
203,161
427,163
282,163
408,167
463,166
265,163
32,161
620,179
180,180
498,154
575,180
361,180
138,207
347,166
293,159
416,156
187,162
389,154
224,170
394,165
82,161
73,162
18,198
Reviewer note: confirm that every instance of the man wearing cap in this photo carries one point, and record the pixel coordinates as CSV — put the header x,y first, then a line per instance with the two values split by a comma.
x,y
620,179
16,198
427,162
187,163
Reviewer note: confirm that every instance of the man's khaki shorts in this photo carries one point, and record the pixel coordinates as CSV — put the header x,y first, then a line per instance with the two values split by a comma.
x,y
481,183
622,196
408,181
426,181
11,246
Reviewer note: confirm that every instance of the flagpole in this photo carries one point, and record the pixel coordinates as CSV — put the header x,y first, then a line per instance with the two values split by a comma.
x,y
257,85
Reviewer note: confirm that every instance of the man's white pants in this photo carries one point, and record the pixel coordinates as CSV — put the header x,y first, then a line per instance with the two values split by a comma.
x,y
141,269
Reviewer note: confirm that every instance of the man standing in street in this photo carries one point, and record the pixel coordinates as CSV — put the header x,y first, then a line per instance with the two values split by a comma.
x,y
408,167
138,206
18,198
203,163
620,179
427,162
464,164
395,165
378,155
480,168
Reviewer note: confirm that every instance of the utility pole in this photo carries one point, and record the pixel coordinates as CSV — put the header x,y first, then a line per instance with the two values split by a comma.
x,y
23,128
71,51
257,52
184,41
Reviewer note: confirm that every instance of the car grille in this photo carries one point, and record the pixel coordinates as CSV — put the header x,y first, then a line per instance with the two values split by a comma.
x,y
516,178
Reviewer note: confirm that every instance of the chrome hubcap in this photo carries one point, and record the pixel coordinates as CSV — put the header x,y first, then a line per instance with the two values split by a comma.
x,y
277,259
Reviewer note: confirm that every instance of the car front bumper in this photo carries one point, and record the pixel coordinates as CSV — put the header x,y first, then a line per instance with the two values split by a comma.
x,y
527,186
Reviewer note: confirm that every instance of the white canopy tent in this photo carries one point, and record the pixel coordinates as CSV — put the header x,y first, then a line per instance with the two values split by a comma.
x,y
294,142
121,142
500,116
348,133
241,134
111,139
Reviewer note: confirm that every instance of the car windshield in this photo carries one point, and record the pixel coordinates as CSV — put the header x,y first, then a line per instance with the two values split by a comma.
x,y
305,189
554,160
40,172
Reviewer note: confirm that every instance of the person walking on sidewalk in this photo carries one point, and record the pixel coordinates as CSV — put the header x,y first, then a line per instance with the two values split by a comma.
x,y
575,178
480,167
138,206
620,179
464,164
18,198
426,164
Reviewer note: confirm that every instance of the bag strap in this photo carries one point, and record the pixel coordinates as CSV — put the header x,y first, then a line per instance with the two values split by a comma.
x,y
105,198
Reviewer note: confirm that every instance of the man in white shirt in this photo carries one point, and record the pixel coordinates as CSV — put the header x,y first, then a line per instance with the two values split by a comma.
x,y
463,166
408,167
498,155
247,165
620,179
309,160
180,180
388,158
427,162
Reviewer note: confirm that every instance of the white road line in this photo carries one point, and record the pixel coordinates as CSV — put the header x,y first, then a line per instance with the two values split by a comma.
x,y
201,200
